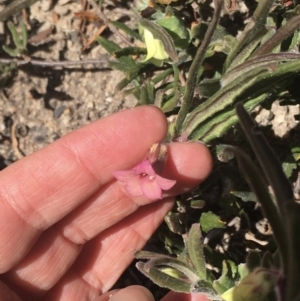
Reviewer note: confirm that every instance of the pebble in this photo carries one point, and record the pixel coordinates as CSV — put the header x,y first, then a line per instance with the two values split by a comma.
x,y
63,2
59,111
61,10
46,5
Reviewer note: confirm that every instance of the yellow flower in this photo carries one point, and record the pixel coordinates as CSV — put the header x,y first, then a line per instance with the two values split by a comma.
x,y
254,287
155,47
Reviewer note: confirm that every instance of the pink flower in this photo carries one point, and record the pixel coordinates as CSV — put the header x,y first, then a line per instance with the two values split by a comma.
x,y
143,180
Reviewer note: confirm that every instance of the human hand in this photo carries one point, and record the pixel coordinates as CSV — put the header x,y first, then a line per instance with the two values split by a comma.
x,y
67,229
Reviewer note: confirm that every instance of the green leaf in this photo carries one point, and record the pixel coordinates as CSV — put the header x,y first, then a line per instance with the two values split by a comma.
x,y
205,288
195,250
129,51
223,154
12,52
223,121
147,93
262,62
267,159
281,34
164,280
226,280
197,204
253,177
24,37
15,35
176,222
177,29
162,75
245,196
243,271
209,221
112,47
127,30
208,86
291,162
216,103
247,51
252,84
172,101
252,29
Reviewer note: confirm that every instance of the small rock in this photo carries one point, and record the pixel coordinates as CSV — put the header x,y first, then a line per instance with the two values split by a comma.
x,y
63,2
59,111
61,10
264,117
2,28
46,5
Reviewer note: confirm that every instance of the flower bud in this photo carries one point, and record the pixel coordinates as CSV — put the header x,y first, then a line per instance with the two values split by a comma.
x,y
254,287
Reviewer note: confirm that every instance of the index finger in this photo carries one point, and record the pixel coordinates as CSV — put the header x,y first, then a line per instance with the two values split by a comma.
x,y
39,190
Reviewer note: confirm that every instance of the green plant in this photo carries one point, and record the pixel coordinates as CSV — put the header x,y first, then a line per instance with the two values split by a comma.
x,y
254,64
197,72
264,273
19,41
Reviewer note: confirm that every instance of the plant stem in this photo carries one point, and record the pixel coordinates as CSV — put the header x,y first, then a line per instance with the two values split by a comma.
x,y
192,75
53,63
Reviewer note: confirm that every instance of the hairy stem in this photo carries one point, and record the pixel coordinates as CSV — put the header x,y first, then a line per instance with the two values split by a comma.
x,y
192,77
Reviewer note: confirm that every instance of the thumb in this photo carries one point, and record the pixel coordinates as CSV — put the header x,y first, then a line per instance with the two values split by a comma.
x,y
130,293
172,296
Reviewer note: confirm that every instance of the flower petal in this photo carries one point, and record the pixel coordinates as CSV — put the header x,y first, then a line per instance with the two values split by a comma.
x,y
134,186
160,50
150,44
124,175
151,188
145,168
165,184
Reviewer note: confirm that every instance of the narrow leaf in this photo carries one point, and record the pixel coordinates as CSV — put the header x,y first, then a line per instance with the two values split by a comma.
x,y
112,47
223,121
127,30
267,159
176,264
129,51
164,280
247,51
254,26
270,211
24,36
15,35
262,62
282,33
195,250
226,280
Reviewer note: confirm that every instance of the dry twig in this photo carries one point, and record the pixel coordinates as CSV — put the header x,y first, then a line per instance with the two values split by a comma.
x,y
107,22
14,8
14,141
53,63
